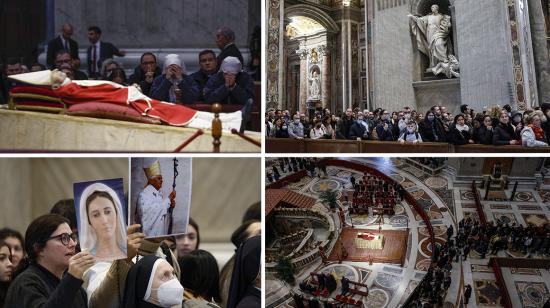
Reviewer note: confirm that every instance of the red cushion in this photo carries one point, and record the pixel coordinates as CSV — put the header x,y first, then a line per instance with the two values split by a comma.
x,y
110,111
46,91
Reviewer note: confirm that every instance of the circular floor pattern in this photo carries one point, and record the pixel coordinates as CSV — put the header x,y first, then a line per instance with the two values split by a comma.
x,y
324,185
467,195
397,178
523,196
377,298
417,194
438,231
399,209
425,246
363,219
423,265
341,270
407,184
399,220
536,294
344,174
436,182
388,281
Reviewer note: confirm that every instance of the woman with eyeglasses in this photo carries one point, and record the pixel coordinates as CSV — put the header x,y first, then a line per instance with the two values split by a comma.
x,y
52,274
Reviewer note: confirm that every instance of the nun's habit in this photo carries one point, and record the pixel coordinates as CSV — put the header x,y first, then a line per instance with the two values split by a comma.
x,y
137,283
242,292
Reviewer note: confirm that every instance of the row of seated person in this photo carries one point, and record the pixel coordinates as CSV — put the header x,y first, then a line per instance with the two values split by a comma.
x,y
375,210
368,201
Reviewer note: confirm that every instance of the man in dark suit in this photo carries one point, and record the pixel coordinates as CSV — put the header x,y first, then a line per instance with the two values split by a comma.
x,y
99,51
208,64
63,42
146,72
225,39
63,61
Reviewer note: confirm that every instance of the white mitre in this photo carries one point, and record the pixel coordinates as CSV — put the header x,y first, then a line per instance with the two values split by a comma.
x,y
41,78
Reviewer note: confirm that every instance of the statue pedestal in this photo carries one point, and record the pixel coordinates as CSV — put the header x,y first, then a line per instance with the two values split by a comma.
x,y
445,92
313,105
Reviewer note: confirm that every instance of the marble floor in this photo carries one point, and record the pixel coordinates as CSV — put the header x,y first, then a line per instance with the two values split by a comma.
x,y
445,203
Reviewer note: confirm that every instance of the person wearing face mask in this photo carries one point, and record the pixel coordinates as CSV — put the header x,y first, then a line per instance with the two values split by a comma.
x,y
151,283
318,131
459,133
360,129
410,134
431,129
504,133
296,128
533,135
384,129
281,128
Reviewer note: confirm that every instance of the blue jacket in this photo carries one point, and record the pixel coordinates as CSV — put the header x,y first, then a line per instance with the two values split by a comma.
x,y
160,89
215,90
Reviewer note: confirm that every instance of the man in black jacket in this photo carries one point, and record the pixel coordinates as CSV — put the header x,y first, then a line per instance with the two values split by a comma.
x,y
63,42
225,39
208,64
99,51
146,72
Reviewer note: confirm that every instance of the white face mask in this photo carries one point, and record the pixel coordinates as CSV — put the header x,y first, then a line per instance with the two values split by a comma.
x,y
544,119
170,293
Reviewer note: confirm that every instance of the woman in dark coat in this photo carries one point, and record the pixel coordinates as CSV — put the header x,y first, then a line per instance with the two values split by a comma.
x,y
484,134
504,133
431,129
459,133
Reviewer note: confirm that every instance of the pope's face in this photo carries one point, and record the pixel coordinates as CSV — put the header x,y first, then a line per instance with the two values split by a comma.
x,y
58,77
156,182
102,216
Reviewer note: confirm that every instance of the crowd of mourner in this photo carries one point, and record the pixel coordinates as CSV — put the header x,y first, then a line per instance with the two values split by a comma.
x,y
495,126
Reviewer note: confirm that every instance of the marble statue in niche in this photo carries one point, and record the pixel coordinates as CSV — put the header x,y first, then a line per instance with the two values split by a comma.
x,y
315,86
432,33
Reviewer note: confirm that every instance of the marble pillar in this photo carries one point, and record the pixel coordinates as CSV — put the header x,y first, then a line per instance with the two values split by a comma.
x,y
346,58
274,54
303,80
540,50
325,76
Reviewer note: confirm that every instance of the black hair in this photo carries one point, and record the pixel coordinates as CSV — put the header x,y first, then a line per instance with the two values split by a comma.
x,y
97,194
147,54
200,274
205,52
254,211
65,208
458,116
61,52
7,232
463,108
96,29
39,231
240,235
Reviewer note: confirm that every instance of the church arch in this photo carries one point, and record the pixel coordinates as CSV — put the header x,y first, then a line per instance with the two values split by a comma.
x,y
314,13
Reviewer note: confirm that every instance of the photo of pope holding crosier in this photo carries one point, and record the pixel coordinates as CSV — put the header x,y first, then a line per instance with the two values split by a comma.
x,y
161,195
101,211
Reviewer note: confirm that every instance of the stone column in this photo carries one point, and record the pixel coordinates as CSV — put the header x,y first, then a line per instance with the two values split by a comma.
x,y
303,52
346,58
274,54
324,52
540,50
